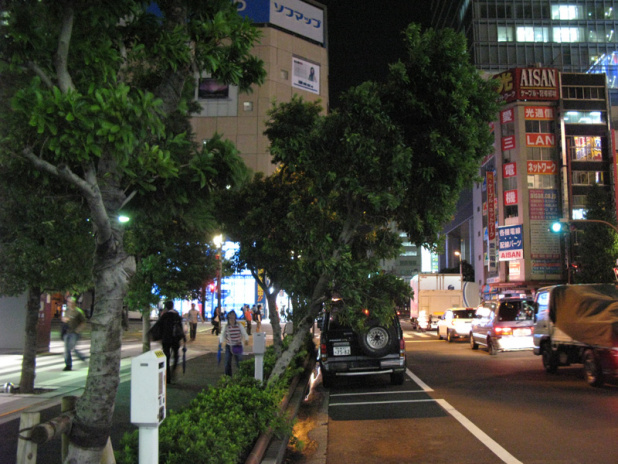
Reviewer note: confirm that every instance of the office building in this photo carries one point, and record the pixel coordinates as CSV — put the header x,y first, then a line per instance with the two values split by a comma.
x,y
293,47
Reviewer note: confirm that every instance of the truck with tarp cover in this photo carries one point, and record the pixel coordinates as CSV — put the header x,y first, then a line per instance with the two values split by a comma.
x,y
578,324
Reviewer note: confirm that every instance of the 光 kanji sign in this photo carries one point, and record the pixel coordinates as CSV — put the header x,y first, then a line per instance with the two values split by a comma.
x,y
510,243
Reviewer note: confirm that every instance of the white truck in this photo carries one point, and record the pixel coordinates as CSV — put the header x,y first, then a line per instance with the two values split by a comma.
x,y
435,293
578,324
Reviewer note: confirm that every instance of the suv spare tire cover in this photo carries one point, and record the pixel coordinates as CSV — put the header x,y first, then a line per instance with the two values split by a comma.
x,y
379,340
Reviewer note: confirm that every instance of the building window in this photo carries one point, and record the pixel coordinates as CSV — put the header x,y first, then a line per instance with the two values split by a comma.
x,y
567,12
539,127
568,34
511,211
585,148
541,153
579,201
584,117
583,93
509,183
532,34
505,34
542,181
588,178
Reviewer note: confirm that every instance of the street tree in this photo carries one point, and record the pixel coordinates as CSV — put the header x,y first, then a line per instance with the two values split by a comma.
x,y
105,90
596,250
394,156
45,246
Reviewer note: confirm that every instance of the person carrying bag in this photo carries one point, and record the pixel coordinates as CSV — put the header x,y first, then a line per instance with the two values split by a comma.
x,y
233,335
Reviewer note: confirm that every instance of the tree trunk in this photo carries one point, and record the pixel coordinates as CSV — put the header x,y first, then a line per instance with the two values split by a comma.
x,y
28,365
145,329
271,299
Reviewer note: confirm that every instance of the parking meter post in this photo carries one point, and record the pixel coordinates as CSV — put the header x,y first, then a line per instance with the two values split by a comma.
x,y
259,348
148,402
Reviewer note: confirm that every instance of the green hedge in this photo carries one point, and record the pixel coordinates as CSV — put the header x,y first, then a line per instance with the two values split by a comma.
x,y
221,424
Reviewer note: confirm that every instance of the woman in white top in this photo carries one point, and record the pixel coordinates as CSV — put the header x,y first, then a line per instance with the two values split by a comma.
x,y
233,335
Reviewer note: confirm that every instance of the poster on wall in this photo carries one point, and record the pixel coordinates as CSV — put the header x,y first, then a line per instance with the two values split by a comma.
x,y
544,246
306,75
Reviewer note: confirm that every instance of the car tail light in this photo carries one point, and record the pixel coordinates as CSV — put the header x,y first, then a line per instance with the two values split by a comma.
x,y
504,331
323,351
366,312
402,346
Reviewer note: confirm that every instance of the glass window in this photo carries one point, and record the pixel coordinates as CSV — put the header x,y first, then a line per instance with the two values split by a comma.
x,y
568,34
566,12
579,201
539,127
584,117
516,311
588,178
586,148
540,181
541,153
505,34
532,34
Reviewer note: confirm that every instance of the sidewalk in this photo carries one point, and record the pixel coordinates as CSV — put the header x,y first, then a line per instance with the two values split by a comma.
x,y
201,371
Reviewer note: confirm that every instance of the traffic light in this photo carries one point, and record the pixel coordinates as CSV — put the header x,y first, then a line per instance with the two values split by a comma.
x,y
559,227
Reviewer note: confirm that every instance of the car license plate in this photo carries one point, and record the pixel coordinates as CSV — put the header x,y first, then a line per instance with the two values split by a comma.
x,y
521,332
341,350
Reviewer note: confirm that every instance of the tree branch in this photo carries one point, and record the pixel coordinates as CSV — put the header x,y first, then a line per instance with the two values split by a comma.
x,y
36,69
65,82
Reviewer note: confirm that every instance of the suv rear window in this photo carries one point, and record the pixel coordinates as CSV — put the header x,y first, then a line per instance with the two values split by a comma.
x,y
464,314
516,311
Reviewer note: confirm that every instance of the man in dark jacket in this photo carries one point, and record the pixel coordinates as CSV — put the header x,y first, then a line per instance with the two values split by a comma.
x,y
172,332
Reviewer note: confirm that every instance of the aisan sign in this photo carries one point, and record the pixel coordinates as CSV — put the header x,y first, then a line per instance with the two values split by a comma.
x,y
529,84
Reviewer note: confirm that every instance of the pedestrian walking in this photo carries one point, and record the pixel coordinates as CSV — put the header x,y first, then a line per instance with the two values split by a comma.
x,y
257,317
75,321
172,332
233,335
192,316
247,312
216,321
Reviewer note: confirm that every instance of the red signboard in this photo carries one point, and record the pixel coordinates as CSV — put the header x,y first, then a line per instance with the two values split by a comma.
x,y
539,113
506,116
508,143
491,211
540,140
510,197
541,167
509,170
529,84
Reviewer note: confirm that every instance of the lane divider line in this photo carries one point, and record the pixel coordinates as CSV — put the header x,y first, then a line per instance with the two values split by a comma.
x,y
418,381
481,436
364,403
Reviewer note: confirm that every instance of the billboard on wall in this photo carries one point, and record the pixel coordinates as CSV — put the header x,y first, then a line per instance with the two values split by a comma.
x,y
491,212
510,243
305,75
529,84
293,15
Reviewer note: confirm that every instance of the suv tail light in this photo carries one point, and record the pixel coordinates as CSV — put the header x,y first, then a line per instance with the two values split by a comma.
x,y
402,347
504,331
323,352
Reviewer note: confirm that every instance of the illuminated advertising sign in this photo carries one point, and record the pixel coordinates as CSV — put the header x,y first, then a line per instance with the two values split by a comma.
x,y
510,197
540,140
510,243
292,15
545,167
491,211
529,84
538,113
509,170
508,143
506,116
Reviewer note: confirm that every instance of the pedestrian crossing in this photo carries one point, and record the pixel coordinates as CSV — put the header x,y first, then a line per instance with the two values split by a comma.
x,y
412,337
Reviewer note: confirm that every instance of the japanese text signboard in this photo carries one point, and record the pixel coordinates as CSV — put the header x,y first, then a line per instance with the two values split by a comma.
x,y
529,84
545,167
491,211
510,243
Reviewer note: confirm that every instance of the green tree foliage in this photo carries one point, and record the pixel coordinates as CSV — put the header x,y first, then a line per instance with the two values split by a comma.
x,y
103,94
597,244
392,156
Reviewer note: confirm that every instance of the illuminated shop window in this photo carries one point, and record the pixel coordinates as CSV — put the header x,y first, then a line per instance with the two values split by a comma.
x,y
532,34
585,148
588,178
584,117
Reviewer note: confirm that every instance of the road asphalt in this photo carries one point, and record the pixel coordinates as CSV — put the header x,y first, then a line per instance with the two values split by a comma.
x,y
52,383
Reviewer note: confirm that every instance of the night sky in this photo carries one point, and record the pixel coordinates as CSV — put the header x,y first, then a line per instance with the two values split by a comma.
x,y
364,36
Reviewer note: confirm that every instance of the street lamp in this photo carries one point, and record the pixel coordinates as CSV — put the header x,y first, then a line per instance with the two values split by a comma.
x,y
218,241
457,253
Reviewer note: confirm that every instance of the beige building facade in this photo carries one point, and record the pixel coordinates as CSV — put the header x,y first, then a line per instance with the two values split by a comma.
x,y
295,64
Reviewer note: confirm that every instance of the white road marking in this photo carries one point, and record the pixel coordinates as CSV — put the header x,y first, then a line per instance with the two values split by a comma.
x,y
481,436
419,382
364,403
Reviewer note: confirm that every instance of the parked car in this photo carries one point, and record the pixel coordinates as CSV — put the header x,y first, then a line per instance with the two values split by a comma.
x,y
503,325
455,323
344,352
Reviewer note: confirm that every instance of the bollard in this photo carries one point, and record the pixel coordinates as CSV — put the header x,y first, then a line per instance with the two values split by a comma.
x,y
27,449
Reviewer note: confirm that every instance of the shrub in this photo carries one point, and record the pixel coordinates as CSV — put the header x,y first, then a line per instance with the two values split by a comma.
x,y
221,424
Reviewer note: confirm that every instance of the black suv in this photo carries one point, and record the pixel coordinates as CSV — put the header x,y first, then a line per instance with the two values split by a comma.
x,y
379,350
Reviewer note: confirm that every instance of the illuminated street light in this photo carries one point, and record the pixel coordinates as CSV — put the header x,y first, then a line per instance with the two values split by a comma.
x,y
457,253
